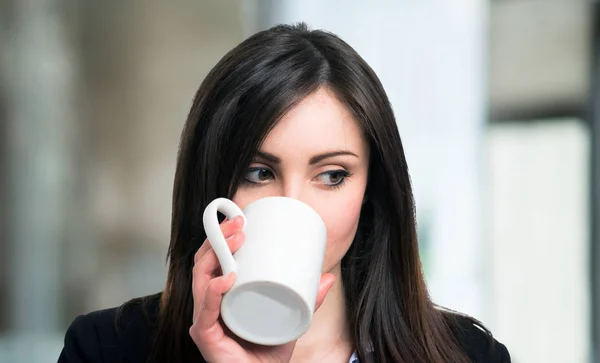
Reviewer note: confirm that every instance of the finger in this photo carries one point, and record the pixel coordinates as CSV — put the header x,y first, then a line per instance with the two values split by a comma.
x,y
207,266
228,228
210,310
204,270
327,281
209,263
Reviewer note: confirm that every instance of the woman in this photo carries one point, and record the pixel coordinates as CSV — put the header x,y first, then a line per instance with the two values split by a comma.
x,y
296,113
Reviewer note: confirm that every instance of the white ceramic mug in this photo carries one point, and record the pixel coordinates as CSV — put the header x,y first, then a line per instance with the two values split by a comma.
x,y
278,267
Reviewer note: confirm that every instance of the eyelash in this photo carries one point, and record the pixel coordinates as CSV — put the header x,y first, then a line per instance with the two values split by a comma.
x,y
345,174
342,172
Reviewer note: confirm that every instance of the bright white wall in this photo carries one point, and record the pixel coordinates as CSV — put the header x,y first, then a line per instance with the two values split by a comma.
x,y
539,225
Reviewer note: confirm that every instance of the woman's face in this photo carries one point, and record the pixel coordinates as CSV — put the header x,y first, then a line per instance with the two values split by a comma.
x,y
318,155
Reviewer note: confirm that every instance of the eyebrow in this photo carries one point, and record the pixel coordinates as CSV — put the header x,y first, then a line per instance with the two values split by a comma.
x,y
313,160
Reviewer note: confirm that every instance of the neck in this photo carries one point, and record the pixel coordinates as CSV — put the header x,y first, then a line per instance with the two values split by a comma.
x,y
329,334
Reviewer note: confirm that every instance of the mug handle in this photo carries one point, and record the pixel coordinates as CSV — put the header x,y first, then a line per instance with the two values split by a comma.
x,y
213,231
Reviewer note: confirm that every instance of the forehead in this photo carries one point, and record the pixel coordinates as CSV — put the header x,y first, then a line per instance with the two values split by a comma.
x,y
319,122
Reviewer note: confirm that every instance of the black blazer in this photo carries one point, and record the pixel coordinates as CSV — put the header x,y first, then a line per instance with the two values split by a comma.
x,y
96,338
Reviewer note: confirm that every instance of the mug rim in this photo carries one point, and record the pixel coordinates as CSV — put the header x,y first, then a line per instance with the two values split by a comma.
x,y
298,202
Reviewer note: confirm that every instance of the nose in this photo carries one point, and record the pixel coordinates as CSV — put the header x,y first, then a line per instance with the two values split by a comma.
x,y
291,191
293,188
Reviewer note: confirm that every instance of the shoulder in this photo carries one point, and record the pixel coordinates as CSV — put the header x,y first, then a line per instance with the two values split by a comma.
x,y
477,341
112,335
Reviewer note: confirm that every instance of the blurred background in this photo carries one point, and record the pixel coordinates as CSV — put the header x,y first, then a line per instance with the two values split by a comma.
x,y
496,101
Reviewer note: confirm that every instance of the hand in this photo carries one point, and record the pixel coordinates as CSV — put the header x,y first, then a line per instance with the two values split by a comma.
x,y
212,338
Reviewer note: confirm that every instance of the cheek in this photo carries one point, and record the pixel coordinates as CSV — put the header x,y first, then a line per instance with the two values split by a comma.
x,y
342,221
243,199
247,195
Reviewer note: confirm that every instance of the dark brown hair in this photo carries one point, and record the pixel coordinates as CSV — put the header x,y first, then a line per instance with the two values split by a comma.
x,y
238,103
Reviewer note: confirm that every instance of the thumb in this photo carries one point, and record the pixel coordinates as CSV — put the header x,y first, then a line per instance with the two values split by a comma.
x,y
327,281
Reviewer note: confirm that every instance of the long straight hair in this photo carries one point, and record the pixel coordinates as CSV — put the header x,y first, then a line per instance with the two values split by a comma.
x,y
391,316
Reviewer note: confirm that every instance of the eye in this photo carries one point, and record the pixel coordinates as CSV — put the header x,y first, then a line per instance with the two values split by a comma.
x,y
334,178
258,175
